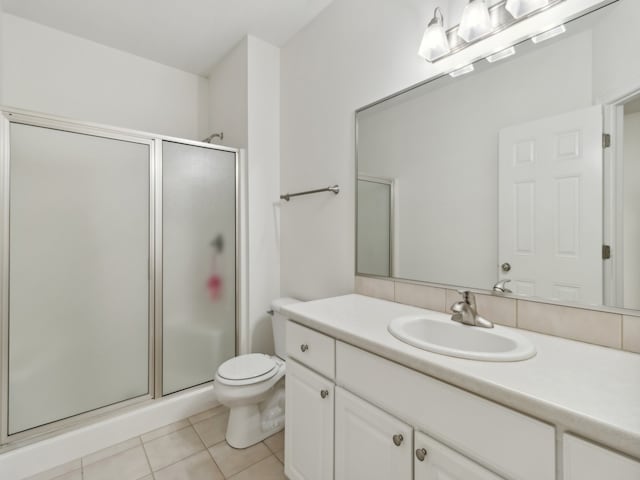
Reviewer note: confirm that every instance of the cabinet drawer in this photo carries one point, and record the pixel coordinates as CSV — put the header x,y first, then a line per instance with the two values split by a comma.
x,y
434,461
312,349
509,443
585,461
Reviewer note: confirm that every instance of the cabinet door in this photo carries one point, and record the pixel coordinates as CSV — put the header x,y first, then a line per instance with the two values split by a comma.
x,y
434,461
308,424
585,461
370,444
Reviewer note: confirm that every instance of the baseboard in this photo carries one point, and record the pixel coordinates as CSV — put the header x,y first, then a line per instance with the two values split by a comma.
x,y
51,452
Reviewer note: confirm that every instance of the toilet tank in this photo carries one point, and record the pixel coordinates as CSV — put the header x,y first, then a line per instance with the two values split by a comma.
x,y
278,323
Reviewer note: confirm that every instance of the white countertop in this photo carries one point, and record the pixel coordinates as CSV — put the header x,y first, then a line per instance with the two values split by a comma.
x,y
588,390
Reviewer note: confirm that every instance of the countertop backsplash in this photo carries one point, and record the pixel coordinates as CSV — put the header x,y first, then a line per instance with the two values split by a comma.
x,y
612,330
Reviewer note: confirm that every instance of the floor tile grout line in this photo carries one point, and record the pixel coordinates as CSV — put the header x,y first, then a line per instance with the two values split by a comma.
x,y
222,412
251,465
276,452
82,465
254,464
214,460
207,449
81,459
271,449
170,433
146,455
181,459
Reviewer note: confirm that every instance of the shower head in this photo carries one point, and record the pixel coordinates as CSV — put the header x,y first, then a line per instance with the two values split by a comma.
x,y
214,135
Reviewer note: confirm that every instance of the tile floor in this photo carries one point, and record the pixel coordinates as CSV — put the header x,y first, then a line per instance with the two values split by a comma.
x,y
192,449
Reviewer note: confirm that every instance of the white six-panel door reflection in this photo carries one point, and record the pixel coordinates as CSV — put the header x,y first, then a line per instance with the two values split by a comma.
x,y
550,207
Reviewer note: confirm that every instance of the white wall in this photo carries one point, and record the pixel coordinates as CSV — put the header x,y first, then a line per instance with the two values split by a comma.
x,y
228,98
631,210
245,104
48,71
1,50
355,52
617,64
264,188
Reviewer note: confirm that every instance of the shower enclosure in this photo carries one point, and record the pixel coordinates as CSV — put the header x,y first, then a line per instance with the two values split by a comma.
x,y
118,268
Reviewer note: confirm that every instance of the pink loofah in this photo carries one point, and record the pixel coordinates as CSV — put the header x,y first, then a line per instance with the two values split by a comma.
x,y
214,284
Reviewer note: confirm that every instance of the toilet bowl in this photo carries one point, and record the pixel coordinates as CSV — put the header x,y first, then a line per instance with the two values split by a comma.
x,y
252,387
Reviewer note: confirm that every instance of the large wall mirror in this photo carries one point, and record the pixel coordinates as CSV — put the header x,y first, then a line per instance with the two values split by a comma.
x,y
504,174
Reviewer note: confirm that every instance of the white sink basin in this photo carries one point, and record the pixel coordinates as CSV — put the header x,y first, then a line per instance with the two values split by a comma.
x,y
447,337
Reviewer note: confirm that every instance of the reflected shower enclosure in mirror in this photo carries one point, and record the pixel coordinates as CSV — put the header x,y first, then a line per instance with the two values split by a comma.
x,y
506,173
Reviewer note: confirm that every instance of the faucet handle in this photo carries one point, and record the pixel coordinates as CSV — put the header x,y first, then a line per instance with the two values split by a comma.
x,y
458,307
500,287
467,296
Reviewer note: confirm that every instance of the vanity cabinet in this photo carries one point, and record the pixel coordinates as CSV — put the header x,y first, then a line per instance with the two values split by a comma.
x,y
434,461
309,424
369,443
509,443
375,408
585,461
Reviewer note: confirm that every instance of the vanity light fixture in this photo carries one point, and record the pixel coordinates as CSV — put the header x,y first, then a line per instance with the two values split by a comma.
x,y
501,55
554,32
462,71
434,42
480,19
521,8
476,21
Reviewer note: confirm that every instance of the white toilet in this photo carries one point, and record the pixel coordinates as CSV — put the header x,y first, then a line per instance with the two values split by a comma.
x,y
252,386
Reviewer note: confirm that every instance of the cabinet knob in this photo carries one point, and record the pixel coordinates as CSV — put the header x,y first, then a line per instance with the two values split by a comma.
x,y
304,347
506,267
421,453
398,439
324,393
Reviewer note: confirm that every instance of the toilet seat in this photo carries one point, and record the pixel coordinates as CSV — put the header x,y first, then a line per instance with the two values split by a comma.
x,y
247,369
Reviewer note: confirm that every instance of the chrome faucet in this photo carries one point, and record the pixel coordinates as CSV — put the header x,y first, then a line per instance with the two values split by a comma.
x,y
466,312
501,287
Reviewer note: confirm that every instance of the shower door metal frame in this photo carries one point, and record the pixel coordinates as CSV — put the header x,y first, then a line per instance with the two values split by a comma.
x,y
159,139
154,386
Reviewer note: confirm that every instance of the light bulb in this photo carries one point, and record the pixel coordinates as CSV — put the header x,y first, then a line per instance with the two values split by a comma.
x,y
520,8
476,21
434,42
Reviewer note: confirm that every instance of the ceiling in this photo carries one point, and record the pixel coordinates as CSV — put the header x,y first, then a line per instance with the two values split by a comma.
x,y
192,35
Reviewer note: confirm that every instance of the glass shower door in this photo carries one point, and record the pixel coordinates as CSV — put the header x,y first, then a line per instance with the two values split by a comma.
x,y
374,226
79,253
199,263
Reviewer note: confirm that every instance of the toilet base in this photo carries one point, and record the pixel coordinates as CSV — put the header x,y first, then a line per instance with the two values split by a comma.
x,y
250,424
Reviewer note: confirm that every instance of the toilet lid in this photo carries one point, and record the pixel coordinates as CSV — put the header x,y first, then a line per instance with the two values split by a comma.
x,y
247,366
